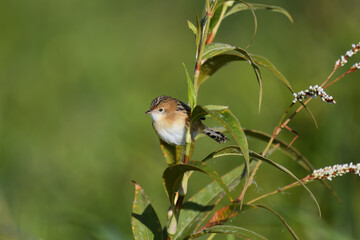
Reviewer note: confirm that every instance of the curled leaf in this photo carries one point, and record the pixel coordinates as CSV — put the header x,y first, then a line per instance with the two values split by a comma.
x,y
192,27
173,176
255,6
264,62
215,49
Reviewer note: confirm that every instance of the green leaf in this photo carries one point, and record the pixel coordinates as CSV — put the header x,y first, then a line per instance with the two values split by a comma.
x,y
310,113
144,221
281,219
228,229
264,62
173,154
255,6
173,176
232,124
198,33
255,21
256,70
225,151
196,210
215,18
212,65
214,49
192,27
191,90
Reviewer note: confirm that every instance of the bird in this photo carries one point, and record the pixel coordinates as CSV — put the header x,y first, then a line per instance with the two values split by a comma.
x,y
171,118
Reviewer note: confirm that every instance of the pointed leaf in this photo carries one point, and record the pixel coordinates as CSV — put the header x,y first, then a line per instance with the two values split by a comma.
x,y
173,154
214,49
281,219
198,33
255,21
228,229
232,124
264,62
191,90
144,221
173,176
310,113
255,6
225,151
196,210
192,27
256,70
212,65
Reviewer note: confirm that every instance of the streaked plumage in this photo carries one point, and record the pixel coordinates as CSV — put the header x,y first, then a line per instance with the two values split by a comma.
x,y
170,118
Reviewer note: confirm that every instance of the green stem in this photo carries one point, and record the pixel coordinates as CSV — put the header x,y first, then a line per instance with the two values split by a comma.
x,y
212,34
205,30
188,140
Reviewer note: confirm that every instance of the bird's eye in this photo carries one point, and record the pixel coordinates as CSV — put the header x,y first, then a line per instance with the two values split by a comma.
x,y
161,109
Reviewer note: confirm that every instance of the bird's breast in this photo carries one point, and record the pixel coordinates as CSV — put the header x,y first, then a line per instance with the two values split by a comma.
x,y
172,132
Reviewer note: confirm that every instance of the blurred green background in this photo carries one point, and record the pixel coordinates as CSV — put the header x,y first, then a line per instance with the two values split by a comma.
x,y
77,76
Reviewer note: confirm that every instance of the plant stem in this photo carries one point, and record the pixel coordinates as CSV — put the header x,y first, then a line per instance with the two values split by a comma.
x,y
200,51
212,34
188,140
205,30
337,79
294,184
327,79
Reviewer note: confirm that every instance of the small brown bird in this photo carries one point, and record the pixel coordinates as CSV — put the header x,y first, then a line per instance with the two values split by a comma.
x,y
170,119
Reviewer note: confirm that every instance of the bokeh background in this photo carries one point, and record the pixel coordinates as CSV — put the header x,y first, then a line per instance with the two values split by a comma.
x,y
77,76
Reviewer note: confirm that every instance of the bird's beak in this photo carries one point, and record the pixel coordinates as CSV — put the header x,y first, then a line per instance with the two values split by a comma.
x,y
148,111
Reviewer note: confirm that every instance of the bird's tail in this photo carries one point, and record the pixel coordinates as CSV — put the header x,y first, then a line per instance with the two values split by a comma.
x,y
216,135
